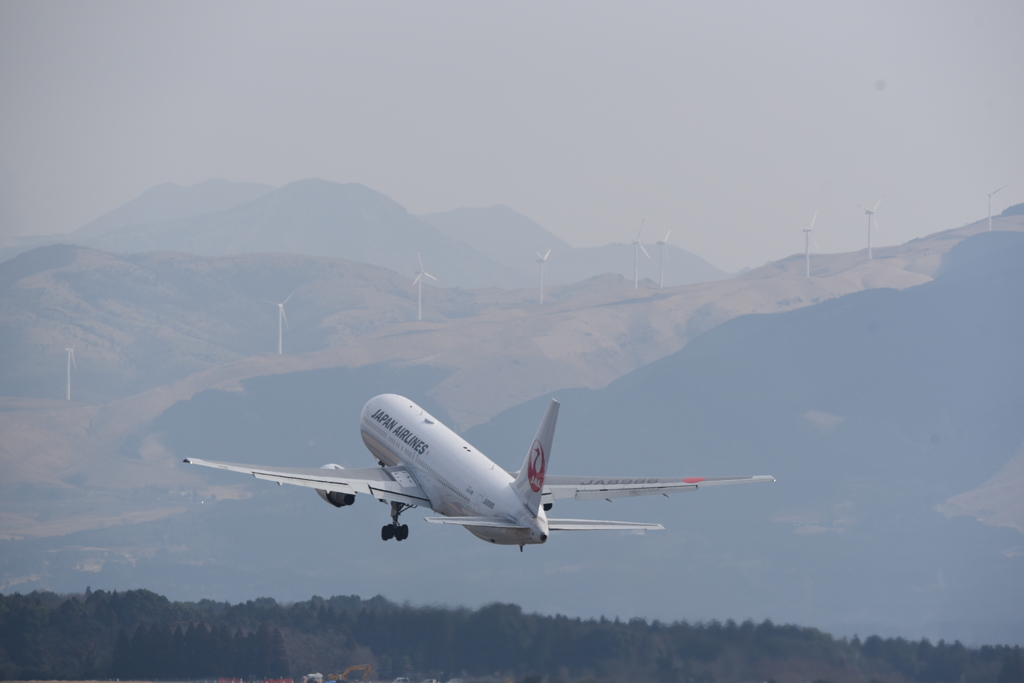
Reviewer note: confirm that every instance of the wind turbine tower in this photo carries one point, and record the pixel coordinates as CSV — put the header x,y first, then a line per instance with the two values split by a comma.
x,y
282,319
870,213
71,362
637,246
661,247
808,236
419,282
542,260
990,205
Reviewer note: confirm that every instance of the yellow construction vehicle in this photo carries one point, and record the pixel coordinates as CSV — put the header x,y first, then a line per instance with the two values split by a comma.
x,y
343,676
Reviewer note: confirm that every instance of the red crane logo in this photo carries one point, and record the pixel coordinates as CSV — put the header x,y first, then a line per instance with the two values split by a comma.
x,y
537,464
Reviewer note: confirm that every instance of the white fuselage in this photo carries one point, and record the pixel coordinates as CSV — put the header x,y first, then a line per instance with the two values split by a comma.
x,y
459,480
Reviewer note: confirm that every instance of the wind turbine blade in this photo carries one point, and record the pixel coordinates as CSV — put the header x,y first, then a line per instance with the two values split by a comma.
x,y
291,295
1001,188
272,303
539,257
418,277
641,228
814,219
875,219
548,253
643,250
815,241
420,259
431,277
73,363
284,317
876,204
666,236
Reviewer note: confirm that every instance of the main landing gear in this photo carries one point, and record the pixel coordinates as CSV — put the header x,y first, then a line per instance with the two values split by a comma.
x,y
397,531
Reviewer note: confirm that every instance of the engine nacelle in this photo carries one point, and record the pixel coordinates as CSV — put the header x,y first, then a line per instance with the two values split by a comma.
x,y
338,500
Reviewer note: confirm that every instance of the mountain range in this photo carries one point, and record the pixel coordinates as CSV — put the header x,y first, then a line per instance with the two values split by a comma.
x,y
493,247
884,395
874,410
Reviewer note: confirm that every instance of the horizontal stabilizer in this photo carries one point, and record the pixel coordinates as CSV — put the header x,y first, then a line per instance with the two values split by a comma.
x,y
598,525
492,522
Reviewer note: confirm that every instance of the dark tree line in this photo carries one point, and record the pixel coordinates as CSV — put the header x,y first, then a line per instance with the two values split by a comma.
x,y
198,652
133,635
141,635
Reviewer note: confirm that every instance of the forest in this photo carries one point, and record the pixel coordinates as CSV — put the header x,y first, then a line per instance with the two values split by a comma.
x,y
137,634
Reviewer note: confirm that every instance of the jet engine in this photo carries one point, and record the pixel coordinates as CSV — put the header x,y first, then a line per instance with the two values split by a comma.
x,y
338,500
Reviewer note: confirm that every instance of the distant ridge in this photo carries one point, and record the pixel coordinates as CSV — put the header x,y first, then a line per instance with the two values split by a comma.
x,y
465,247
170,201
321,218
502,234
506,236
1015,210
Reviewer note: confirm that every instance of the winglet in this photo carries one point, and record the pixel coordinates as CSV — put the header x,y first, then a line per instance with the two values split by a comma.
x,y
529,484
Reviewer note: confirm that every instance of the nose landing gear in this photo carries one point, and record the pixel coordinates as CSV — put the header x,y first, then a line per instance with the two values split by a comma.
x,y
397,531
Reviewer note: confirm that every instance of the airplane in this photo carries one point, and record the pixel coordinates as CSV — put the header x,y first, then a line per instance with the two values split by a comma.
x,y
423,463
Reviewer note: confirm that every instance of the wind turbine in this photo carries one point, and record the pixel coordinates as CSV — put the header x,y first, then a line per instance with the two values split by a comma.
x,y
282,319
990,205
71,362
419,281
636,265
808,236
661,247
542,260
870,213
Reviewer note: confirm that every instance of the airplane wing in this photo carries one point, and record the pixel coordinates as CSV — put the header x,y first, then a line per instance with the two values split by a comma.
x,y
553,524
392,484
594,488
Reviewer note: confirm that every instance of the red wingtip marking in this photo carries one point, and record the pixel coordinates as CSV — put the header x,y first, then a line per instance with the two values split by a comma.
x,y
693,480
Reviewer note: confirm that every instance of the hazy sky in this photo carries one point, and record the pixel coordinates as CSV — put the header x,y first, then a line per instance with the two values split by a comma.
x,y
730,123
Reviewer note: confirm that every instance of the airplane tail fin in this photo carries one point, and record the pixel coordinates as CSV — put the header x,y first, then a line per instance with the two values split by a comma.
x,y
529,485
